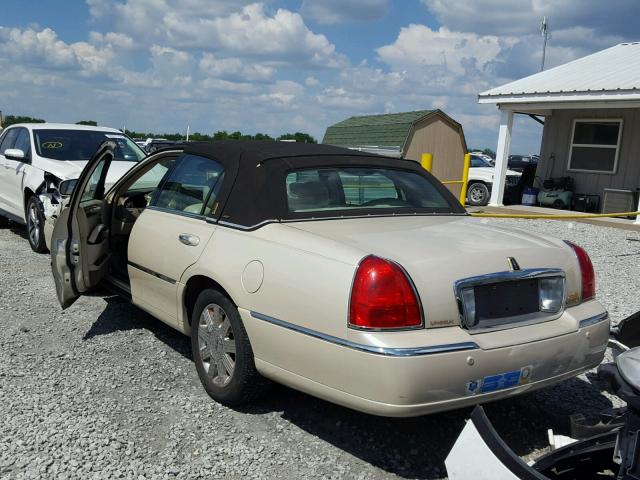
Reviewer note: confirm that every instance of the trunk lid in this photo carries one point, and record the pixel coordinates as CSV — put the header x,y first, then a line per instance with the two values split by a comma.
x,y
438,251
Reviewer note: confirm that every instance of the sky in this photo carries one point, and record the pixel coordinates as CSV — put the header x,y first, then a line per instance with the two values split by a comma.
x,y
285,66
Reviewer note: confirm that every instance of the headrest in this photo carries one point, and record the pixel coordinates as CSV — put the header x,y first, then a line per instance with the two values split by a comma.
x,y
309,190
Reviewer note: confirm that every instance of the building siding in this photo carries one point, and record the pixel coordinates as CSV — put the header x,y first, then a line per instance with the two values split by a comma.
x,y
556,141
445,143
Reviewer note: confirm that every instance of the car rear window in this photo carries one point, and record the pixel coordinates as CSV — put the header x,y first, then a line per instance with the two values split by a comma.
x,y
80,145
349,190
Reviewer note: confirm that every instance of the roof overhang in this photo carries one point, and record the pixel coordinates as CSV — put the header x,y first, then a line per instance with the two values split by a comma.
x,y
564,100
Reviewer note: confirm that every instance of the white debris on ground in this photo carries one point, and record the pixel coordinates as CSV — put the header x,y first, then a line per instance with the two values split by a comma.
x,y
102,390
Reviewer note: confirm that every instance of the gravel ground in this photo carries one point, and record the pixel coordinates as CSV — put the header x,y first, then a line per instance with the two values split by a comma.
x,y
102,390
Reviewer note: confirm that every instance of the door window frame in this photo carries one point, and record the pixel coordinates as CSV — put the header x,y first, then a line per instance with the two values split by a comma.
x,y
614,169
27,153
217,187
5,134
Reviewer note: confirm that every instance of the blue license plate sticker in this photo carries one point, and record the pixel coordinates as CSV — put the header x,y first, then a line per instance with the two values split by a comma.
x,y
500,381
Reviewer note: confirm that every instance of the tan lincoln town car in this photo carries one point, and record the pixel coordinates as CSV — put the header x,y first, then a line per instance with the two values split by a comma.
x,y
353,277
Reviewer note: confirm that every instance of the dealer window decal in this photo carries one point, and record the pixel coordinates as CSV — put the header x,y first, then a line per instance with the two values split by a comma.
x,y
51,145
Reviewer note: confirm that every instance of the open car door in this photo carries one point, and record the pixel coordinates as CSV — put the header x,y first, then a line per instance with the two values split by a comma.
x,y
80,251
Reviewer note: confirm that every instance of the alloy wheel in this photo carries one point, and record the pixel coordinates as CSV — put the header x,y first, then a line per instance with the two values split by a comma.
x,y
217,345
476,194
33,224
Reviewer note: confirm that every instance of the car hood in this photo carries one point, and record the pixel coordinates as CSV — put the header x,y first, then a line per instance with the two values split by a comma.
x,y
67,169
488,173
437,251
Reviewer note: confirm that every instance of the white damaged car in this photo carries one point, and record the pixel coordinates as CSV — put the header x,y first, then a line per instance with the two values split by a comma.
x,y
36,157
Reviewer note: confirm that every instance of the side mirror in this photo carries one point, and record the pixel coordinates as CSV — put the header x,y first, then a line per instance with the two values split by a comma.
x,y
66,187
14,154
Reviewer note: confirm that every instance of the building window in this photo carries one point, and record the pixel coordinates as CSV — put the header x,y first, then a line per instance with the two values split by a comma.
x,y
595,145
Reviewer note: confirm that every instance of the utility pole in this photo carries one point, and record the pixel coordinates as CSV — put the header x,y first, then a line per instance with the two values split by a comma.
x,y
187,133
544,29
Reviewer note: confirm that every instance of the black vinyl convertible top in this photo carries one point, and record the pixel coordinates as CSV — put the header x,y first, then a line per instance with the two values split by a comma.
x,y
254,190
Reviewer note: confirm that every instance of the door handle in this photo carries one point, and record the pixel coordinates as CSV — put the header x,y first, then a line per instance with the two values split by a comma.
x,y
189,239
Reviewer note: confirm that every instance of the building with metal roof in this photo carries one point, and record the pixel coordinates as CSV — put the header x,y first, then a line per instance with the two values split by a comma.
x,y
406,135
591,113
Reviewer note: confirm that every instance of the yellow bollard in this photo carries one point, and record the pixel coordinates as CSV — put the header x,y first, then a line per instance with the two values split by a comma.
x,y
465,178
427,161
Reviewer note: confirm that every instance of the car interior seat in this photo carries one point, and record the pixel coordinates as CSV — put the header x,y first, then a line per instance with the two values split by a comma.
x,y
308,195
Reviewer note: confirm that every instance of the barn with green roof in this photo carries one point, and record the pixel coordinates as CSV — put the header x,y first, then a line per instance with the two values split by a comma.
x,y
406,135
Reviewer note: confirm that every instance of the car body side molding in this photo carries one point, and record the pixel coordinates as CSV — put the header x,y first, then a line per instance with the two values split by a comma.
x,y
387,351
601,317
151,272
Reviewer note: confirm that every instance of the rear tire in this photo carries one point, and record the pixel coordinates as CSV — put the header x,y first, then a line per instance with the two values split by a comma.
x,y
478,194
35,225
222,352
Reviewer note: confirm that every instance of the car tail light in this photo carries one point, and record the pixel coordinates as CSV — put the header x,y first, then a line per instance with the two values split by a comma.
x,y
586,272
382,297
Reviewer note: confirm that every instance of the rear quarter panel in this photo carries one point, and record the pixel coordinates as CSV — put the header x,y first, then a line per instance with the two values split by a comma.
x,y
306,279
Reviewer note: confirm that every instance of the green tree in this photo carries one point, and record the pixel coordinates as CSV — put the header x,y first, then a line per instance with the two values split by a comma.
x,y
221,135
298,137
13,119
91,123
262,136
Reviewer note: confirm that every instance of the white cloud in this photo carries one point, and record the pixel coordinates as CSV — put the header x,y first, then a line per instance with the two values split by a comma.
x,y
43,46
282,93
330,12
506,17
226,27
44,49
443,50
227,86
112,39
235,68
311,81
351,101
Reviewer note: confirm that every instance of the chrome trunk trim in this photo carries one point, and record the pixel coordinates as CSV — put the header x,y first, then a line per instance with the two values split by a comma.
x,y
507,276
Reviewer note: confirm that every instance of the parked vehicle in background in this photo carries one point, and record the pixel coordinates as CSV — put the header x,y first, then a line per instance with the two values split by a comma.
x,y
36,157
153,145
141,142
481,180
519,162
486,157
350,276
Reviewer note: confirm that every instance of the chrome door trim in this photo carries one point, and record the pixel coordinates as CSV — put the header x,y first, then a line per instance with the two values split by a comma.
x,y
386,351
196,216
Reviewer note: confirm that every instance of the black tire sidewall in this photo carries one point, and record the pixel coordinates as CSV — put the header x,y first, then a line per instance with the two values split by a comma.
x,y
41,247
234,392
486,198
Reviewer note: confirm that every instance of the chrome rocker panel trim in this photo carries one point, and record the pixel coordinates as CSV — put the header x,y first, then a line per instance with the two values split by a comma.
x,y
386,351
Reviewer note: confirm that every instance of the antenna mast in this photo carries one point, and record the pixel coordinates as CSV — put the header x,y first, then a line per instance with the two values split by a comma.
x,y
544,29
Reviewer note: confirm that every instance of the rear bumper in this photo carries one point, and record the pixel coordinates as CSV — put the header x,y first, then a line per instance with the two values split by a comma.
x,y
405,382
